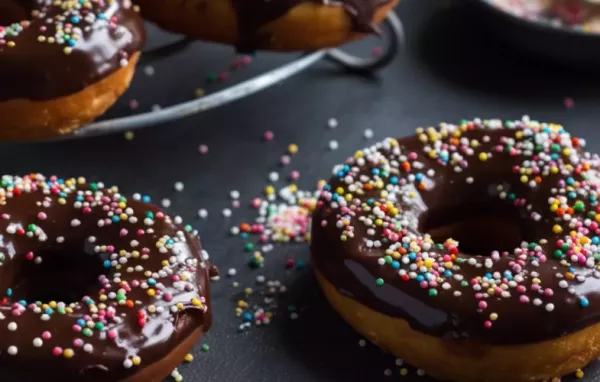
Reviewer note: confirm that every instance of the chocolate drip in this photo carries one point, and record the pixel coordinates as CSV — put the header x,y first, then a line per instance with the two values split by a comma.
x,y
39,71
254,14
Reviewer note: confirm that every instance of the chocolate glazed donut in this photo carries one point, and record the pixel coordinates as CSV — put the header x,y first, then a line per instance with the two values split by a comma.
x,y
94,286
470,251
63,63
270,24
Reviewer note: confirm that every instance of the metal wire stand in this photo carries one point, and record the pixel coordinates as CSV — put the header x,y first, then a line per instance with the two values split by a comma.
x,y
393,35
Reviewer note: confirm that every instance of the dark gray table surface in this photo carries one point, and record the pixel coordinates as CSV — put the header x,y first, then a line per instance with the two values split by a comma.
x,y
452,68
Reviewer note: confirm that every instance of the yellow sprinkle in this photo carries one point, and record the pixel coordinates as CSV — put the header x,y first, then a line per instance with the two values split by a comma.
x,y
269,190
151,292
248,291
188,357
293,148
68,353
428,263
196,302
199,93
579,373
67,50
242,304
483,156
557,229
136,360
493,316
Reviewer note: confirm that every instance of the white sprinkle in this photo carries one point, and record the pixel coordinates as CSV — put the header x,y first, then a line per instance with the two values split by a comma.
x,y
273,176
368,134
226,212
12,326
178,186
293,316
127,363
156,107
231,272
399,362
88,348
202,213
149,70
549,307
333,145
165,202
60,239
37,342
177,219
234,230
362,343
75,223
332,123
420,372
260,279
470,179
387,372
234,194
12,350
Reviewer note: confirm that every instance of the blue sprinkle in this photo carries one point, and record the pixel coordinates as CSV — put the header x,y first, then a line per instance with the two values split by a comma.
x,y
395,264
146,199
106,263
420,278
151,281
81,322
9,292
246,316
584,302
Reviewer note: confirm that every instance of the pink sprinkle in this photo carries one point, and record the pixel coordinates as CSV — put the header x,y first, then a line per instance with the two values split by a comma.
x,y
482,304
78,342
133,104
268,135
29,256
285,160
168,297
294,175
57,351
377,51
46,335
487,324
569,103
235,203
223,76
203,149
112,334
123,232
548,292
246,60
255,203
76,328
42,216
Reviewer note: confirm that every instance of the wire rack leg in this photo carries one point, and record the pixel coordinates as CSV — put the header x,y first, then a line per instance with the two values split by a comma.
x,y
394,39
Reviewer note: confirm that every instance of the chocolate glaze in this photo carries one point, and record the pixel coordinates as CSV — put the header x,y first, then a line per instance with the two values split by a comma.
x,y
66,235
352,266
254,14
38,71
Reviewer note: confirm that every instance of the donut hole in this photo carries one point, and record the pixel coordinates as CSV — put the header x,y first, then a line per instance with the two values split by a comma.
x,y
479,228
65,275
14,11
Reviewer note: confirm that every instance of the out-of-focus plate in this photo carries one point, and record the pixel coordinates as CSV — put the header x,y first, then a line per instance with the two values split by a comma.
x,y
548,28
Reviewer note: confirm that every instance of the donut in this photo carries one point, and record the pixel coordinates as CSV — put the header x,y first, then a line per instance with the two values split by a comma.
x,y
271,25
63,63
470,251
94,286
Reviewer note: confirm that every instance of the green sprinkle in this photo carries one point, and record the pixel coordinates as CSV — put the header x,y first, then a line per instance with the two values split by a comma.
x,y
433,292
87,332
205,347
379,282
99,326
